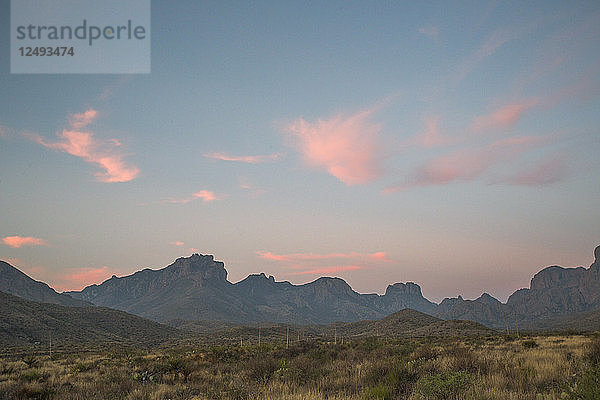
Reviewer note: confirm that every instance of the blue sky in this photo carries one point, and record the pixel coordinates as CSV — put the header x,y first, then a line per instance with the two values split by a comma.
x,y
454,144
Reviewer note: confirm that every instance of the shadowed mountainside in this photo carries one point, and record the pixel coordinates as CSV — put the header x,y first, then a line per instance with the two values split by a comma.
x,y
196,288
15,282
24,322
554,292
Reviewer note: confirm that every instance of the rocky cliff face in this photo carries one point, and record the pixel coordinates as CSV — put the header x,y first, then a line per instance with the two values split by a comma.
x,y
405,295
554,291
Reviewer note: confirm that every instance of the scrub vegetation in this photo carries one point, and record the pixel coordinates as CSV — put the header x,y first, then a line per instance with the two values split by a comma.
x,y
484,367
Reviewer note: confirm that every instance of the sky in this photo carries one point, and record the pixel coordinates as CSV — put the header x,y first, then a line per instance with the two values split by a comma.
x,y
451,144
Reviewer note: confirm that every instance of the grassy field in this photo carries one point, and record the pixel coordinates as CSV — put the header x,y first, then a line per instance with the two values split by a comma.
x,y
492,367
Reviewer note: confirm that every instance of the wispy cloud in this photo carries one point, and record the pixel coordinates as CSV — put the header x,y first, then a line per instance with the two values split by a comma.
x,y
492,43
546,172
205,195
381,256
104,154
81,120
468,164
20,241
431,135
315,263
328,270
503,117
244,159
346,146
252,191
430,31
177,243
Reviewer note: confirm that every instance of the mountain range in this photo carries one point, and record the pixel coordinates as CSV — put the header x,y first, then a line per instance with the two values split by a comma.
x,y
196,288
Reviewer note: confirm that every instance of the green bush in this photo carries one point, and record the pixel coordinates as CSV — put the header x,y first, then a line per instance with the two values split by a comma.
x,y
588,386
377,392
446,386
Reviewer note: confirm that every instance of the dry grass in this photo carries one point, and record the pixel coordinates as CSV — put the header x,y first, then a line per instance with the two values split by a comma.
x,y
549,367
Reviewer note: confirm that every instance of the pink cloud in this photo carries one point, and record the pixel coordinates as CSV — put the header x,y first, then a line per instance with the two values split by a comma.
x,y
177,243
294,257
244,159
82,277
205,195
431,136
252,191
328,270
103,154
314,263
546,172
78,121
504,117
20,241
346,146
468,164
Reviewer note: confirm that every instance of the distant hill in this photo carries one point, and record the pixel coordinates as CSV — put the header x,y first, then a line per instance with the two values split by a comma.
x,y
580,322
15,282
402,324
24,322
413,323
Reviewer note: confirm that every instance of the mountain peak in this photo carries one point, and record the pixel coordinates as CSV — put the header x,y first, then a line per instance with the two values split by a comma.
x,y
408,288
596,265
488,299
198,264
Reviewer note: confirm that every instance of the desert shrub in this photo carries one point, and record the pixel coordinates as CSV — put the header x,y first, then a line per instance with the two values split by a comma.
x,y
510,338
224,354
31,375
588,386
529,344
261,369
394,375
464,359
424,352
304,369
594,350
446,386
82,367
31,360
34,392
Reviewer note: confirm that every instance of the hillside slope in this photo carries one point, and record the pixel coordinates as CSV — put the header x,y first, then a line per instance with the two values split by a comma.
x,y
24,322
